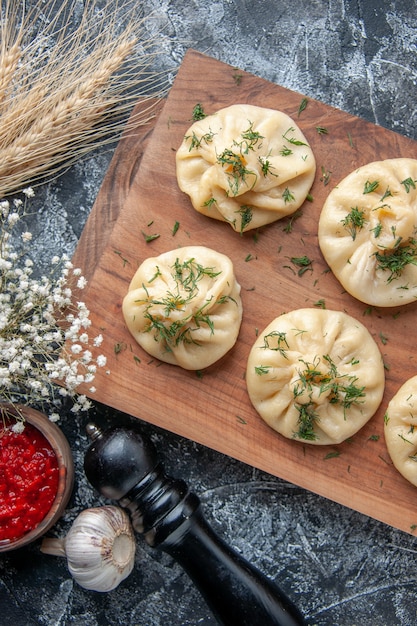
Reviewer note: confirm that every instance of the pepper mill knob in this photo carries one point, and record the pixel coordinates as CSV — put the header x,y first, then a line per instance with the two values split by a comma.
x,y
123,465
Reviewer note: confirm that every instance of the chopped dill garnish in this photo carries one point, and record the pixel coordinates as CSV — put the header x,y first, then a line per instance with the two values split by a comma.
x,y
293,140
383,338
198,113
303,262
237,77
303,106
266,166
125,261
354,221
325,176
174,330
210,202
288,228
387,194
196,142
235,166
175,228
396,259
250,139
285,151
307,417
341,389
119,347
369,187
332,455
377,230
288,196
149,238
276,341
246,213
409,183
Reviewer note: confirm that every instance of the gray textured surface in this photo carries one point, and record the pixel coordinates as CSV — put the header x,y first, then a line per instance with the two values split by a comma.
x,y
341,568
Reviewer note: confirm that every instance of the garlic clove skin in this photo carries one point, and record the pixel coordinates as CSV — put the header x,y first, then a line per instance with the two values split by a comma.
x,y
100,548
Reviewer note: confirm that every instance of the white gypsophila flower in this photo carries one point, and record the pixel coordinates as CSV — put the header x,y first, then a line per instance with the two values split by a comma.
x,y
81,283
101,360
87,356
45,350
5,265
97,341
13,218
18,427
4,208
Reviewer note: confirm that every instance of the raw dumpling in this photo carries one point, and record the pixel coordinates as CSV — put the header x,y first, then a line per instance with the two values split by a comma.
x,y
401,430
184,306
245,165
367,232
315,375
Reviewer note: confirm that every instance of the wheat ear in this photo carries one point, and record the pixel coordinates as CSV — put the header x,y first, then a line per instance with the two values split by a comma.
x,y
56,108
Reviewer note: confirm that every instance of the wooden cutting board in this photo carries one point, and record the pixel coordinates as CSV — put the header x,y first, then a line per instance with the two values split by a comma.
x,y
140,197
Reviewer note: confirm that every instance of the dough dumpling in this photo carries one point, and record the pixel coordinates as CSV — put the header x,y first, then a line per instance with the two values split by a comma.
x,y
367,232
315,375
245,165
400,428
184,307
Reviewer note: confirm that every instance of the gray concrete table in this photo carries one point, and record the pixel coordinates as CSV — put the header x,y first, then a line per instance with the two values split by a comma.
x,y
341,567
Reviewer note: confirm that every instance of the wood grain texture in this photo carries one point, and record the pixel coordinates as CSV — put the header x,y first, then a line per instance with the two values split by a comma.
x,y
214,409
116,185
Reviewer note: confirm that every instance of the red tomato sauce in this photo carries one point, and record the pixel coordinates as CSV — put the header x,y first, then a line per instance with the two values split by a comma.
x,y
29,476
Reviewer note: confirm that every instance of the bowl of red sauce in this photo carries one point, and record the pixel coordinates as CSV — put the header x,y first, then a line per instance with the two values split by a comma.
x,y
36,476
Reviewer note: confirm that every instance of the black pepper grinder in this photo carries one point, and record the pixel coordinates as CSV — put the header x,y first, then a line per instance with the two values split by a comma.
x,y
123,465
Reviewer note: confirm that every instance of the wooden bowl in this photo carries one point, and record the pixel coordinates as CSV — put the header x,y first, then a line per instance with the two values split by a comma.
x,y
60,446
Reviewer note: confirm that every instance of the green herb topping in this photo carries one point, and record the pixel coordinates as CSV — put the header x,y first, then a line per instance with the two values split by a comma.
x,y
288,196
341,389
354,221
198,113
369,187
195,142
292,140
303,106
409,183
303,262
396,259
235,167
173,329
246,213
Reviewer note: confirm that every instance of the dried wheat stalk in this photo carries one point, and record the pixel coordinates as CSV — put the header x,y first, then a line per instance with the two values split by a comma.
x,y
63,91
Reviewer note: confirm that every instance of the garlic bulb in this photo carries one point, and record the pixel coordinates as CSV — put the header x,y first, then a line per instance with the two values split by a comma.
x,y
100,548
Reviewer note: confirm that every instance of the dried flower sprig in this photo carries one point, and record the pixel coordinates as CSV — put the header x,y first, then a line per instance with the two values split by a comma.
x,y
65,89
45,348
